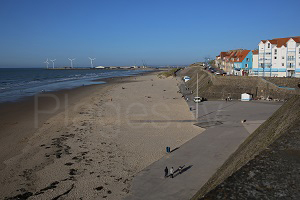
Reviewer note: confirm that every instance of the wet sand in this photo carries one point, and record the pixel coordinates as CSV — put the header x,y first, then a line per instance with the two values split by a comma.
x,y
95,142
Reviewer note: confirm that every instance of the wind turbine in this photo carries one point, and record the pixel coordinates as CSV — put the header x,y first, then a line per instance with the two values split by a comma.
x,y
71,61
53,62
92,59
47,63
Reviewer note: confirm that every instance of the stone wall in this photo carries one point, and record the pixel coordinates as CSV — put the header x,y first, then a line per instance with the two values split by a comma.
x,y
285,82
219,87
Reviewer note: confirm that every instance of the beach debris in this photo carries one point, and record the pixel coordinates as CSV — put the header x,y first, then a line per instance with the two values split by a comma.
x,y
69,163
243,121
99,188
123,88
25,195
73,171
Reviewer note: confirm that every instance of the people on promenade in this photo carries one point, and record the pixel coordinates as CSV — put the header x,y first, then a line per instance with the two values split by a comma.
x,y
171,172
180,169
166,172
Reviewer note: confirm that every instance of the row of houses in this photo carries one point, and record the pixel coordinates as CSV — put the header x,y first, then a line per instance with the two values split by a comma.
x,y
279,57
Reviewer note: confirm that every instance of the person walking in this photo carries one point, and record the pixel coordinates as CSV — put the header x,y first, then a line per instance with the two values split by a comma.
x,y
180,169
171,172
166,172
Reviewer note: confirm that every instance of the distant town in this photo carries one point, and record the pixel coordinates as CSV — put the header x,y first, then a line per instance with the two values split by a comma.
x,y
278,57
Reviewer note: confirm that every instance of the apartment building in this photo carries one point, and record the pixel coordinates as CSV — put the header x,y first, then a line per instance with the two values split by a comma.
x,y
279,57
235,62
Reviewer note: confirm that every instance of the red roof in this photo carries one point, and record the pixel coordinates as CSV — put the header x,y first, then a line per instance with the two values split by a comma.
x,y
241,55
255,52
282,41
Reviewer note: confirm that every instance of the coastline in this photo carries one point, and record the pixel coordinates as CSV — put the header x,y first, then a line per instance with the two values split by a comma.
x,y
94,140
17,119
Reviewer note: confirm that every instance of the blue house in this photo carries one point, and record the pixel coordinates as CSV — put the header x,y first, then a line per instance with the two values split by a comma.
x,y
243,62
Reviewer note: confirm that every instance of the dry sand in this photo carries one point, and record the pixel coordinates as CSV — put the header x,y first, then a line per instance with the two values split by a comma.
x,y
93,149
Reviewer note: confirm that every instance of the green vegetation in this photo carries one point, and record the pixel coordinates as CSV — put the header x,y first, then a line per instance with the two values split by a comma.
x,y
171,72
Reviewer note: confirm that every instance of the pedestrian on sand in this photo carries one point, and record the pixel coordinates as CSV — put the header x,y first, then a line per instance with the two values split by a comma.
x,y
166,172
171,172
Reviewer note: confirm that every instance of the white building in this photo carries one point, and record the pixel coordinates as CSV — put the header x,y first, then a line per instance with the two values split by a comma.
x,y
254,63
279,57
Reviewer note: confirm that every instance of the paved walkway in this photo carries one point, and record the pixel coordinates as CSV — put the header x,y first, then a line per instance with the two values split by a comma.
x,y
205,153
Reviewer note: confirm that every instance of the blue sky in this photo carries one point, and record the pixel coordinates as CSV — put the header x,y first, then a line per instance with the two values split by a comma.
x,y
129,32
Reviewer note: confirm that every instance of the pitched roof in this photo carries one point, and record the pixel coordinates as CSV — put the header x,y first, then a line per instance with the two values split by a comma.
x,y
297,39
241,55
223,54
282,41
255,52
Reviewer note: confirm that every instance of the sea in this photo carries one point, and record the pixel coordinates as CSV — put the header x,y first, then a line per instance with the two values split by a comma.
x,y
17,83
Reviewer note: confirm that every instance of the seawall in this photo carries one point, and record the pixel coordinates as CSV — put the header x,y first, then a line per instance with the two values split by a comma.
x,y
278,126
219,87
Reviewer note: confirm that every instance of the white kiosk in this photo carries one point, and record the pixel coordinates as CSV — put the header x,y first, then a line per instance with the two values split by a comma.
x,y
245,97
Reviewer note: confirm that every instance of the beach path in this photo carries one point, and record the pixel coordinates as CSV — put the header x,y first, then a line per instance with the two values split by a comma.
x,y
205,153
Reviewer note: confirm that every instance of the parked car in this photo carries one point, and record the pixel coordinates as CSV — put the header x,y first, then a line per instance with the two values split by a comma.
x,y
197,99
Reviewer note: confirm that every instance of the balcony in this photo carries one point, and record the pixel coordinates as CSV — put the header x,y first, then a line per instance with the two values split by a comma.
x,y
290,69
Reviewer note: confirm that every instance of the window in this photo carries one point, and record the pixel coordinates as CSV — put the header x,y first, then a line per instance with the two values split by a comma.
x,y
282,57
275,52
282,64
246,65
247,59
268,45
275,57
291,58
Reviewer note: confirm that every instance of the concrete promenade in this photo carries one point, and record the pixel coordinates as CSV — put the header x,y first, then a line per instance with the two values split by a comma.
x,y
205,153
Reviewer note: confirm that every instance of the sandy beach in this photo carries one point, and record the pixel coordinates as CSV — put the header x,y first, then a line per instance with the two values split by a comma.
x,y
95,142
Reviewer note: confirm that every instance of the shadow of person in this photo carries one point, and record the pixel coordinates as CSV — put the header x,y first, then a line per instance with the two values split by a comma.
x,y
186,168
182,170
175,149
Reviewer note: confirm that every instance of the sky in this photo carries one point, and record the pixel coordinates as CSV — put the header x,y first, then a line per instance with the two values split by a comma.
x,y
133,32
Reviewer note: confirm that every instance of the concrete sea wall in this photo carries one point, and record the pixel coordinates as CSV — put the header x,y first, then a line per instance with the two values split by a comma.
x,y
219,87
279,124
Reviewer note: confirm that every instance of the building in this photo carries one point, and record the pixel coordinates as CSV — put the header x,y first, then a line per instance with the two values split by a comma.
x,y
237,62
243,62
254,63
279,57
